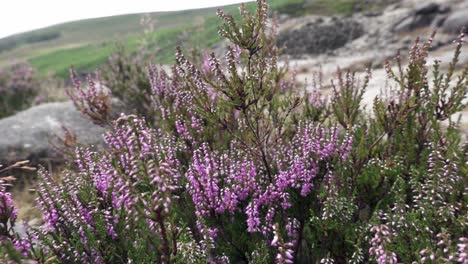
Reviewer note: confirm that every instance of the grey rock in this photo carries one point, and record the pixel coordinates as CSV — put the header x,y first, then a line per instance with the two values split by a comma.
x,y
427,9
407,41
282,18
438,21
422,16
26,135
20,229
320,38
456,21
373,13
443,9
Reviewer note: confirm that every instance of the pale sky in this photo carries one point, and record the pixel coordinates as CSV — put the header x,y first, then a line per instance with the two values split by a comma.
x,y
18,16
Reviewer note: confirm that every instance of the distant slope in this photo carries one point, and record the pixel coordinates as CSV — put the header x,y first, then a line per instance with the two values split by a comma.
x,y
88,43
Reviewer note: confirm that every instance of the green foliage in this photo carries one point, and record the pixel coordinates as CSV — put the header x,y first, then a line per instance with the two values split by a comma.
x,y
339,6
126,75
87,44
9,253
15,41
84,58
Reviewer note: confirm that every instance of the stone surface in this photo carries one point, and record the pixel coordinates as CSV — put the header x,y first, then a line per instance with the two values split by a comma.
x,y
456,21
319,37
422,16
26,135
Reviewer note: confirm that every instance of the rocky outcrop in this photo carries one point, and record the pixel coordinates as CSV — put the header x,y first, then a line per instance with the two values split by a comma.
x,y
456,21
386,29
320,36
428,14
26,135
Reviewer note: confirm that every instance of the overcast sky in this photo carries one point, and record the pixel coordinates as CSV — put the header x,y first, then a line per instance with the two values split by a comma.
x,y
18,16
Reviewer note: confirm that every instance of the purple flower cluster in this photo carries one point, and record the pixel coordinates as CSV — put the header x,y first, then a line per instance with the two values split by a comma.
x,y
311,145
316,99
190,128
8,212
218,182
439,184
105,194
446,252
298,168
23,245
93,101
379,249
285,249
462,250
173,96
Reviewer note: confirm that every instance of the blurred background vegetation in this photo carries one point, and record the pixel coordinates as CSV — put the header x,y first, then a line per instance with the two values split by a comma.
x,y
86,44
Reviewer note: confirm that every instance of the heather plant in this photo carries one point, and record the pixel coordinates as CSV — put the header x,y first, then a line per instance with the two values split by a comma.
x,y
18,88
12,246
237,164
94,100
104,204
412,117
125,75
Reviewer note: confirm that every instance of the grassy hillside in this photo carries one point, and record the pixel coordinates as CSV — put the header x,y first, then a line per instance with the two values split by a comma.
x,y
88,43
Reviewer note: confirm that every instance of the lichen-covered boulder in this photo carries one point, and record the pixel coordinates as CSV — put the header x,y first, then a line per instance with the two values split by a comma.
x,y
26,135
320,37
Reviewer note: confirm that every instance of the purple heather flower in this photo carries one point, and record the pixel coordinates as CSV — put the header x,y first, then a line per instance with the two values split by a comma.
x,y
93,101
379,242
298,165
205,67
182,130
218,182
22,245
462,250
8,212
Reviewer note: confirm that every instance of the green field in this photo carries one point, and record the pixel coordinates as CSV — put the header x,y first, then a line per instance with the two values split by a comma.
x,y
86,44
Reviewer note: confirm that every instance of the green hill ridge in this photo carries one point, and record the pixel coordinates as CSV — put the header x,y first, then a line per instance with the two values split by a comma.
x,y
88,43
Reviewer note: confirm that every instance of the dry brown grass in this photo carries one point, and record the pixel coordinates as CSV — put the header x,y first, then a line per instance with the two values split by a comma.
x,y
52,89
24,200
24,193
